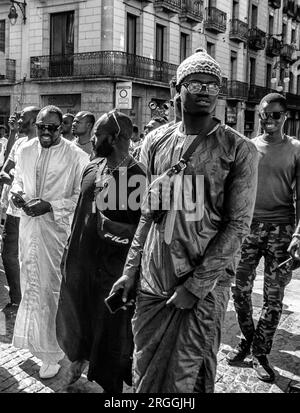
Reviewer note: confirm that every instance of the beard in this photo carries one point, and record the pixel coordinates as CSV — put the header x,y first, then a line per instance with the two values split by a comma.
x,y
48,140
103,150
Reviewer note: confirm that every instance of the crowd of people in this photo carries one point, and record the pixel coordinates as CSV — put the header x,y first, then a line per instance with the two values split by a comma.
x,y
168,222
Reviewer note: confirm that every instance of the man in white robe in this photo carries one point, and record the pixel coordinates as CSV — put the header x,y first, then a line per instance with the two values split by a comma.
x,y
48,175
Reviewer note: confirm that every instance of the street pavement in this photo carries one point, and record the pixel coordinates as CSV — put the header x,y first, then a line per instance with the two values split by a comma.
x,y
19,369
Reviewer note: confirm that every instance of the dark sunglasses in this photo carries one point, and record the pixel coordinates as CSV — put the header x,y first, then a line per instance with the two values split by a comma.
x,y
51,127
272,115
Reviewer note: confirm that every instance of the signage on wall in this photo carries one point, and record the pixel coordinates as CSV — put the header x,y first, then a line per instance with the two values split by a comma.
x,y
123,95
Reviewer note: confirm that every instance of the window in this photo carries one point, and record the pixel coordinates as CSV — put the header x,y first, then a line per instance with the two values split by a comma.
x,y
271,25
253,16
252,70
233,65
61,44
131,34
2,36
284,31
298,85
291,83
235,9
184,40
211,49
293,36
160,39
268,75
62,33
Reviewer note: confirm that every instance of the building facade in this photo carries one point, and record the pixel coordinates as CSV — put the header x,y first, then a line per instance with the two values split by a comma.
x,y
78,54
74,53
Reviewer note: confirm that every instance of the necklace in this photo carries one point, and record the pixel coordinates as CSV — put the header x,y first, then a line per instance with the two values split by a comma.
x,y
110,171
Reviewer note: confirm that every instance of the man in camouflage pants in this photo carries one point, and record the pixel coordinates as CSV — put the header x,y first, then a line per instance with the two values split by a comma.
x,y
272,236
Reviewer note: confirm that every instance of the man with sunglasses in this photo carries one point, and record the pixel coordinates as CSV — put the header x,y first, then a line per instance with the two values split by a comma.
x,y
271,233
46,188
183,258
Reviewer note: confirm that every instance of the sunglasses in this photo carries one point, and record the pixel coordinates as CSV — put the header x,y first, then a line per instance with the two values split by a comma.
x,y
272,115
49,126
195,87
113,114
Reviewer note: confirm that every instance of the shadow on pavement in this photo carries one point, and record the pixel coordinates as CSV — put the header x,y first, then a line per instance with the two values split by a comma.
x,y
8,383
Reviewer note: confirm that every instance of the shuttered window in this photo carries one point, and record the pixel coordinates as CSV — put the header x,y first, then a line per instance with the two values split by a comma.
x,y
2,36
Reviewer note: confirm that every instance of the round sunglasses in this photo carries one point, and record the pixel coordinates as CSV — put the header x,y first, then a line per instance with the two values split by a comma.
x,y
194,87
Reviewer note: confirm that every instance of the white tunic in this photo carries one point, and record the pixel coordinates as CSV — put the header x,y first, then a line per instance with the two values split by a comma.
x,y
54,175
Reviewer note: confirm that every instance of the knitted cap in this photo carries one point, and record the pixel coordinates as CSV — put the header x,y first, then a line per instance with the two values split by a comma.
x,y
199,62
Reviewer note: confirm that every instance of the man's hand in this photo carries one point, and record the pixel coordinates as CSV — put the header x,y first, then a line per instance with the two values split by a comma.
x,y
5,178
182,298
13,122
294,248
123,282
35,208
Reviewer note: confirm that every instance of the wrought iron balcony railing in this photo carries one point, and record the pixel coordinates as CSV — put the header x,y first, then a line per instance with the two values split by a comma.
x,y
238,30
215,20
276,4
9,71
256,39
191,11
273,47
168,6
287,52
256,93
100,64
237,90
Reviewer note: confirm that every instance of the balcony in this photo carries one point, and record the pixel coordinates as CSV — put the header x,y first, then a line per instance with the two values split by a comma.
x,y
237,90
276,4
191,11
287,53
101,64
9,71
256,39
273,47
256,93
168,6
238,31
215,20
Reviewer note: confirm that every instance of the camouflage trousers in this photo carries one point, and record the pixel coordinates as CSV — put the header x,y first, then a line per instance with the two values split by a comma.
x,y
271,242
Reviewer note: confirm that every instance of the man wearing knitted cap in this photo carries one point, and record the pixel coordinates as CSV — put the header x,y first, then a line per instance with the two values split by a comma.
x,y
183,256
272,236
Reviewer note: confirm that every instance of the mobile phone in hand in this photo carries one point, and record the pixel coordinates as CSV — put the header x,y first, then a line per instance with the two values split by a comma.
x,y
20,199
114,301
